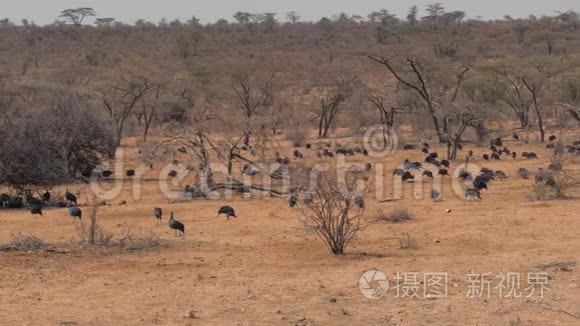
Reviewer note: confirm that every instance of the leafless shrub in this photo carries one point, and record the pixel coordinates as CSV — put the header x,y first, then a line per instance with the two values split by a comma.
x,y
556,182
93,233
396,216
332,215
555,185
407,241
130,241
24,242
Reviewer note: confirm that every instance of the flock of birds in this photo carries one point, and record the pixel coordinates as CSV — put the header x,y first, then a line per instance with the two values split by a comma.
x,y
431,167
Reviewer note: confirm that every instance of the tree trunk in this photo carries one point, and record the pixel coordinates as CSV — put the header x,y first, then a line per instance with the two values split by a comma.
x,y
440,136
540,120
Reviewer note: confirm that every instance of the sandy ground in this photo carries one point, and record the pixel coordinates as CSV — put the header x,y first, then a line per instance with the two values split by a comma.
x,y
263,268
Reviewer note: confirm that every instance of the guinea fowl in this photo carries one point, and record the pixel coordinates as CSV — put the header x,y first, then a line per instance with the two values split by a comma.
x,y
443,172
36,207
158,213
472,194
292,200
75,211
228,211
522,172
176,225
70,197
407,176
46,197
435,195
106,173
359,202
398,172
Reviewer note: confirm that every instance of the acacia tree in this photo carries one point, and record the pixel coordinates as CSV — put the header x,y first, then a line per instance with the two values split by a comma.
x,y
387,112
254,93
120,101
148,110
435,83
76,16
293,17
535,81
334,95
456,122
512,91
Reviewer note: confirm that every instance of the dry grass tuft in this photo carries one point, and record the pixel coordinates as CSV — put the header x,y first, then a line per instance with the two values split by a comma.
x,y
24,242
396,216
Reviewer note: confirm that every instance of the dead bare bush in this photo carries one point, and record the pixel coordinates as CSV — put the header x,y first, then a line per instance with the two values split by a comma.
x,y
333,214
131,241
557,181
24,242
93,233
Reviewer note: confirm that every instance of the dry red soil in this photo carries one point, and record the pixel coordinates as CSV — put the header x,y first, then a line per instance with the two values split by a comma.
x,y
263,268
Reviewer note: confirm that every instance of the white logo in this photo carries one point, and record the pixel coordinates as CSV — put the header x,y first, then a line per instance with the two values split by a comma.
x,y
373,284
380,141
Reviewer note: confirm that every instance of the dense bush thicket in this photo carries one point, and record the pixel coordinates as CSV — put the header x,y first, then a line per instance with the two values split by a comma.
x,y
43,144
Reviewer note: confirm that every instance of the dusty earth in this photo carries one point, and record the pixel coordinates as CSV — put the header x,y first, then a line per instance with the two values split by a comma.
x,y
263,268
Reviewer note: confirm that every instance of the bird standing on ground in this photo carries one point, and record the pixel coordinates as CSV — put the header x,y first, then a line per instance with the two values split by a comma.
x,y
359,202
75,211
158,213
176,225
472,194
36,207
106,173
71,197
522,172
46,197
435,195
292,200
228,211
